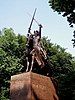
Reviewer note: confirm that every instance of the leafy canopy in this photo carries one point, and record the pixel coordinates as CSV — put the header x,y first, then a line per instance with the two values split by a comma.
x,y
66,7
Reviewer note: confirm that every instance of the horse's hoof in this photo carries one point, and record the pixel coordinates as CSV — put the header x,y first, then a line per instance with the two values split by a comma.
x,y
30,71
26,70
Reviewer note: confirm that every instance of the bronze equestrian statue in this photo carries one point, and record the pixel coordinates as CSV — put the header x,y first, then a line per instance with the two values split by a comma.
x,y
35,51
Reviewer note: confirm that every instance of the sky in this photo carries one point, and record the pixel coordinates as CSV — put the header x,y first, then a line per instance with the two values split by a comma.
x,y
14,14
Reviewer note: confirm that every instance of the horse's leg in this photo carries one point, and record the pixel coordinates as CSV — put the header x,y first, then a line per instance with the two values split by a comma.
x,y
27,64
32,63
44,52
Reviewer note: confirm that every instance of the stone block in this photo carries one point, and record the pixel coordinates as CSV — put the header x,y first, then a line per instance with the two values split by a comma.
x,y
32,86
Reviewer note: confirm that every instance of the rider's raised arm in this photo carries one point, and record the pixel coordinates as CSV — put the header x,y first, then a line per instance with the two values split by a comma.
x,y
40,26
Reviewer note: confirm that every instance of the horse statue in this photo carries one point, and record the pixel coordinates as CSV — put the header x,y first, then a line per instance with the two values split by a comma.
x,y
35,50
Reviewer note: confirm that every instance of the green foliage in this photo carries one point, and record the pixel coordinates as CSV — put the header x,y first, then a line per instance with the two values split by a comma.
x,y
66,7
67,87
61,64
60,60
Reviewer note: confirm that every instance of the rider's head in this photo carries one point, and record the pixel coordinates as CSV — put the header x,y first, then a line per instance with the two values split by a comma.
x,y
36,33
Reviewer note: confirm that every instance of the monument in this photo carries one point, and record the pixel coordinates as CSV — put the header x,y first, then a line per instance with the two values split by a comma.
x,y
30,85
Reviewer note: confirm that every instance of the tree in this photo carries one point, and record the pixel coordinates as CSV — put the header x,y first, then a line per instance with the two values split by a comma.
x,y
59,60
66,7
11,47
67,87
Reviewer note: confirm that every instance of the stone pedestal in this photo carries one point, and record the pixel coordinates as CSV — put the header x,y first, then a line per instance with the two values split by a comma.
x,y
32,86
